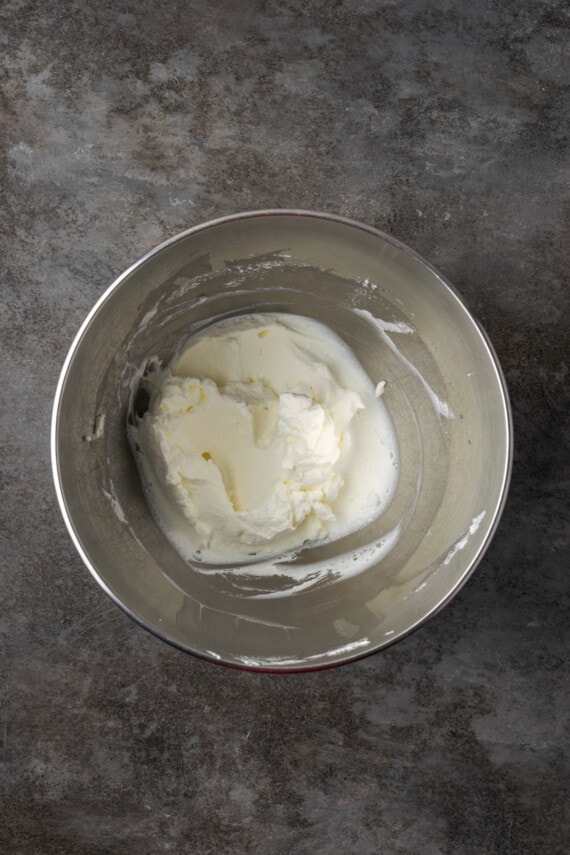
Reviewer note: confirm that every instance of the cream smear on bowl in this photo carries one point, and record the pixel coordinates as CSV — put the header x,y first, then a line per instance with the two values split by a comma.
x,y
263,434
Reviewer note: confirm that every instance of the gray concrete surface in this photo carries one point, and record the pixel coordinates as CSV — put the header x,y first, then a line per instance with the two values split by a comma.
x,y
441,122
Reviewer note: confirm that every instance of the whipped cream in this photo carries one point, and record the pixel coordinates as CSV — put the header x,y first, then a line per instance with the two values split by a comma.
x,y
262,434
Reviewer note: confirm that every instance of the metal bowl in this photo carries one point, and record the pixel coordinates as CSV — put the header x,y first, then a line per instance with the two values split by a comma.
x,y
445,392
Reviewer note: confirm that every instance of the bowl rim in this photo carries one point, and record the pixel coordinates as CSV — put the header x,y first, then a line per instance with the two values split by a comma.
x,y
506,412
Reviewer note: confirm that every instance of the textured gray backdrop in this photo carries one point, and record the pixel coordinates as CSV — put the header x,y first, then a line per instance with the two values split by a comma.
x,y
441,122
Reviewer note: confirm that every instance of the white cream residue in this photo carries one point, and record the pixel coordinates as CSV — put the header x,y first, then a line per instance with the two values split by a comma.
x,y
384,327
462,542
98,429
344,566
263,434
111,496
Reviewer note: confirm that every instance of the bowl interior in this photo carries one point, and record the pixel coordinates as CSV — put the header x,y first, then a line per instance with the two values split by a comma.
x,y
444,392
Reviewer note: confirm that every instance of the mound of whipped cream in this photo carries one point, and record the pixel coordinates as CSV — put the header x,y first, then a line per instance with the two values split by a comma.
x,y
263,433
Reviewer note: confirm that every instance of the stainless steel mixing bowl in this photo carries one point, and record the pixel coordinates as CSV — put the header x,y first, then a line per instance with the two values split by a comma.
x,y
445,393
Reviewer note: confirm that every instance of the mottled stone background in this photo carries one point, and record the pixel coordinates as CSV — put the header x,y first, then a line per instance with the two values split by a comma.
x,y
441,122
